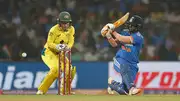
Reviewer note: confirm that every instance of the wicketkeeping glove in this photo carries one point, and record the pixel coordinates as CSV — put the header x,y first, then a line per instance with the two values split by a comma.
x,y
67,48
60,47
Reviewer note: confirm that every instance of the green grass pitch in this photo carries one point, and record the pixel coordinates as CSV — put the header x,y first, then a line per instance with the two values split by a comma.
x,y
89,98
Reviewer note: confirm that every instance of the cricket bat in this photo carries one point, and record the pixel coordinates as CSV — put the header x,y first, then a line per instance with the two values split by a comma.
x,y
116,24
122,20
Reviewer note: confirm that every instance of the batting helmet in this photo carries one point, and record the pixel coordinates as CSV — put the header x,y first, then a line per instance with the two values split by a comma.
x,y
135,23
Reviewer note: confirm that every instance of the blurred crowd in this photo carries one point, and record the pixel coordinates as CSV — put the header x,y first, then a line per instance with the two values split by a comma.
x,y
24,26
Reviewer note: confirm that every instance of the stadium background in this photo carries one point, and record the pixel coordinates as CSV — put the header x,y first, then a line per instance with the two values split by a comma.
x,y
24,25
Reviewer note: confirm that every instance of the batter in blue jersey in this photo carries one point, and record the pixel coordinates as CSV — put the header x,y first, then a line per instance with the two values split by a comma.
x,y
127,57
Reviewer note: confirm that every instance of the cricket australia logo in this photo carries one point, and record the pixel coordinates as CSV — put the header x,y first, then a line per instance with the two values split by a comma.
x,y
66,16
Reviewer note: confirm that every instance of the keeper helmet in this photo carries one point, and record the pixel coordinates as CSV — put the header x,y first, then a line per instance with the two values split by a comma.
x,y
64,17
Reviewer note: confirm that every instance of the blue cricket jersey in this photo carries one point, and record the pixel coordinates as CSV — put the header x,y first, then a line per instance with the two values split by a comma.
x,y
129,53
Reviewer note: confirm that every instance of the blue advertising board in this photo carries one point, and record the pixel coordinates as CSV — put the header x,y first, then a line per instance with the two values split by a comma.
x,y
28,75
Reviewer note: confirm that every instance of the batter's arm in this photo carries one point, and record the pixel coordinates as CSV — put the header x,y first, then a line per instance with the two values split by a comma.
x,y
121,38
110,39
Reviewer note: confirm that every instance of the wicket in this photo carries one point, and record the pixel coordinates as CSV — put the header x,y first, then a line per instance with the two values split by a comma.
x,y
62,58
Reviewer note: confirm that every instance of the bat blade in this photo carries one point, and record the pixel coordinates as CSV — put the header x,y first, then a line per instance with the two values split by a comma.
x,y
121,21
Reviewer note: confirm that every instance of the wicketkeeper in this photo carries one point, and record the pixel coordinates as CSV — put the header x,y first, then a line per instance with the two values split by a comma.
x,y
60,37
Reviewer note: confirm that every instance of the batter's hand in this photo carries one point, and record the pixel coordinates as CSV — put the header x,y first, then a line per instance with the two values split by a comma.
x,y
108,34
110,26
106,28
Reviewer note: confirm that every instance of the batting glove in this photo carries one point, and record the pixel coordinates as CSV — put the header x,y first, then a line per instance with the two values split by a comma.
x,y
110,26
106,28
108,34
